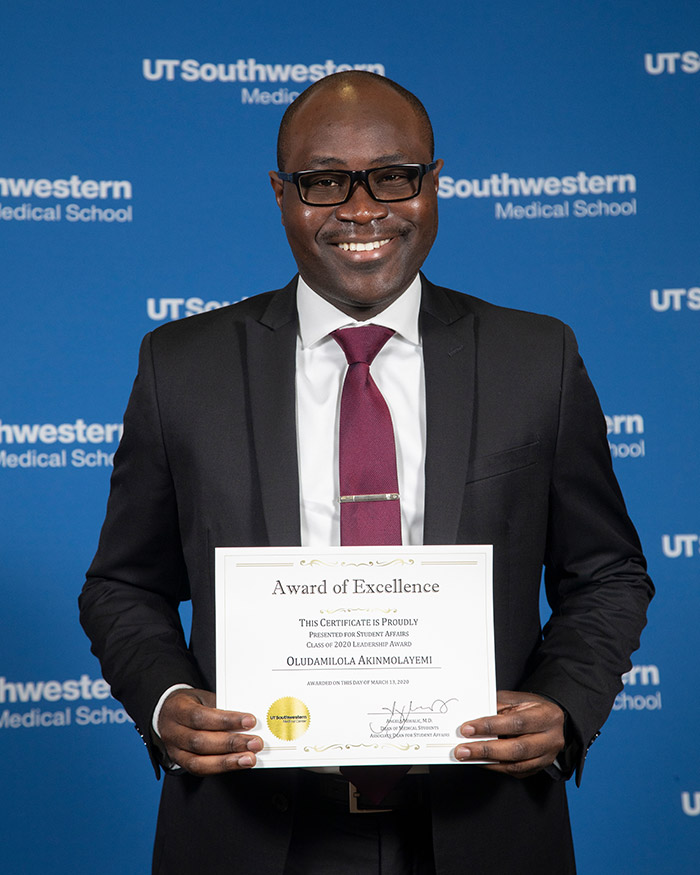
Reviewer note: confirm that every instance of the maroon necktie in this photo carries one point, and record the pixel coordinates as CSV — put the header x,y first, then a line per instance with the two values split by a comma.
x,y
370,513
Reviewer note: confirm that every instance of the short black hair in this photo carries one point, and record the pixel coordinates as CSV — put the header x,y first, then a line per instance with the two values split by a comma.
x,y
341,78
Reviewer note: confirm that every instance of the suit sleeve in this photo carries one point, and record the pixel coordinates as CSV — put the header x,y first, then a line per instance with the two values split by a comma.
x,y
129,604
595,572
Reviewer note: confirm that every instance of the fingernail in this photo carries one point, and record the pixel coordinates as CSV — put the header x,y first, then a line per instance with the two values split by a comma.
x,y
468,730
248,722
464,753
245,761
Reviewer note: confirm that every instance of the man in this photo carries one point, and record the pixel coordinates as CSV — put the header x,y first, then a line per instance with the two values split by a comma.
x,y
229,441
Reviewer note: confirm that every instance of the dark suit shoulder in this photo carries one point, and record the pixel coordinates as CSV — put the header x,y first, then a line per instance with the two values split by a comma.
x,y
442,301
502,331
273,308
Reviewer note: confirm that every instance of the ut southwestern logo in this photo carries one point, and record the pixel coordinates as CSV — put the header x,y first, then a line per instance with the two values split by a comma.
x,y
27,189
41,445
503,185
619,426
249,70
680,546
634,700
691,803
663,300
159,309
671,62
37,694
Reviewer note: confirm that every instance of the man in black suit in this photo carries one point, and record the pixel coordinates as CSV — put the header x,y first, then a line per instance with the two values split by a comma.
x,y
501,440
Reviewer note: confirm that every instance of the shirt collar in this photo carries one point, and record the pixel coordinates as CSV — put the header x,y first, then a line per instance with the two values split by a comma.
x,y
317,317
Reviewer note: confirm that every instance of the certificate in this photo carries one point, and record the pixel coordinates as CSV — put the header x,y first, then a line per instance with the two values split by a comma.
x,y
355,656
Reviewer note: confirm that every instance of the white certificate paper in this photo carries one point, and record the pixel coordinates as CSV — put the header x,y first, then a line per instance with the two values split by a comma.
x,y
356,656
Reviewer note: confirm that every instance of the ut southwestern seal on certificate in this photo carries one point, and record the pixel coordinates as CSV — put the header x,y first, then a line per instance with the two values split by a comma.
x,y
288,718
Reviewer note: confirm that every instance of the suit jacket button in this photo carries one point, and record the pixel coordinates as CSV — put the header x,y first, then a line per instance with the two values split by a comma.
x,y
280,802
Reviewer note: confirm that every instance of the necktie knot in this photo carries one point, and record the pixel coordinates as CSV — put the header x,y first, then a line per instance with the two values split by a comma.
x,y
361,344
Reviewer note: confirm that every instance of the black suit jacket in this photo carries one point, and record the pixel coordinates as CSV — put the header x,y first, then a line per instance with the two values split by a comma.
x,y
516,456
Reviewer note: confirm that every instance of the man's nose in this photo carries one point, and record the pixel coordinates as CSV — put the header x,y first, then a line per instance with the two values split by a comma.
x,y
362,207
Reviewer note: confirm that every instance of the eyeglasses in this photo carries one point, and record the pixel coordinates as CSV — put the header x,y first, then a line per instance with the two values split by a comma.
x,y
330,188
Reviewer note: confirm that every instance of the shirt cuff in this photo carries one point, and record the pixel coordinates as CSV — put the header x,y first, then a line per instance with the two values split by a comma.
x,y
161,702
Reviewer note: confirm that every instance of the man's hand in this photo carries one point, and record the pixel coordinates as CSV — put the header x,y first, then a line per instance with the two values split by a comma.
x,y
204,740
529,730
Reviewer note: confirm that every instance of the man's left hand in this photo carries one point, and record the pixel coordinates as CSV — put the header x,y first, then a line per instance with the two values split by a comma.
x,y
529,734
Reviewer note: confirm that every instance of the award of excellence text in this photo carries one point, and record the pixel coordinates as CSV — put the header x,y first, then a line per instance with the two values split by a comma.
x,y
355,586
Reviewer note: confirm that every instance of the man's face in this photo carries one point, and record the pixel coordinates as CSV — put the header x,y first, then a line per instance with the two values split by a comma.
x,y
358,127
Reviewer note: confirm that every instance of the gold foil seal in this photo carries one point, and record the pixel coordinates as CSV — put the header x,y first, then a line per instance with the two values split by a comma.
x,y
288,718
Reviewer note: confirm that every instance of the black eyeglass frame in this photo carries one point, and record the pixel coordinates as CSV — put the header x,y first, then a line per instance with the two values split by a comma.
x,y
355,177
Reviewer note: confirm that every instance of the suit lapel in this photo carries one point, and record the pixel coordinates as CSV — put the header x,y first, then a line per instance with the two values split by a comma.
x,y
449,359
271,359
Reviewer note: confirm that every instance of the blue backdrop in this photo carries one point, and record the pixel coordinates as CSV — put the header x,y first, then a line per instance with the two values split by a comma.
x,y
136,140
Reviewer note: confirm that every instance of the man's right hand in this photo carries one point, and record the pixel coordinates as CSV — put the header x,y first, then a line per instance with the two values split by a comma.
x,y
204,740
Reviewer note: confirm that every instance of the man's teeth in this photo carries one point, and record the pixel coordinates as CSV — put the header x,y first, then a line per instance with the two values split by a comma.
x,y
363,247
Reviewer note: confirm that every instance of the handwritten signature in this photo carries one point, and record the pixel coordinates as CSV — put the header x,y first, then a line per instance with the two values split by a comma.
x,y
397,716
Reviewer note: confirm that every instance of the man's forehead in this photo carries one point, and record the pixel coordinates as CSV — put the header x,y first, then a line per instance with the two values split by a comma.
x,y
360,92
339,136
361,104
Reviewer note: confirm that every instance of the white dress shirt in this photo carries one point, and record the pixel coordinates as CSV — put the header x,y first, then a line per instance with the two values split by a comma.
x,y
320,371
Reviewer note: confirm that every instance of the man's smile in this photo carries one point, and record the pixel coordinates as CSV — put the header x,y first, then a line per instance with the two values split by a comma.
x,y
363,247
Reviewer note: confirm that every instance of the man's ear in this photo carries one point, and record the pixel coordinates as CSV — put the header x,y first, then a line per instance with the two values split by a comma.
x,y
436,173
278,188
